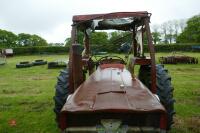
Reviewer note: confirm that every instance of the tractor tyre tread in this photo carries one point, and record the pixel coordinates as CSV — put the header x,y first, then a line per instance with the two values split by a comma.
x,y
61,92
164,88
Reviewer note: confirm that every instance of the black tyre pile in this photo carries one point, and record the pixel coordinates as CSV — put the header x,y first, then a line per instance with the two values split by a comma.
x,y
56,64
26,64
39,62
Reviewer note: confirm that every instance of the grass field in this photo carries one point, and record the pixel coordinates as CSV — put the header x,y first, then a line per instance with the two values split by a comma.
x,y
26,104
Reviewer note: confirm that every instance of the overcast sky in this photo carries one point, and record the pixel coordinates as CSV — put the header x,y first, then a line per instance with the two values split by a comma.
x,y
51,19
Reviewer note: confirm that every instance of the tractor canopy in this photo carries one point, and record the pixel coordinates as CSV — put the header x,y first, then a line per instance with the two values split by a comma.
x,y
119,21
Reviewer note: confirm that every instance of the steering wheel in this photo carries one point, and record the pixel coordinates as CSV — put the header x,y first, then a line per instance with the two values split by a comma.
x,y
110,59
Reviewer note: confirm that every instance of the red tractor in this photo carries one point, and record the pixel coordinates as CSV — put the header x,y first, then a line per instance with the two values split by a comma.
x,y
112,99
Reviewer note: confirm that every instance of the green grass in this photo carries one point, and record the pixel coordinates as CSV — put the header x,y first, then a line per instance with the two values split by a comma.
x,y
26,96
186,81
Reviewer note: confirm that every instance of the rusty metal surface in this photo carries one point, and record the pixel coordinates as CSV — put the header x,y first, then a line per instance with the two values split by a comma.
x,y
78,18
112,89
77,65
120,66
71,78
152,55
140,61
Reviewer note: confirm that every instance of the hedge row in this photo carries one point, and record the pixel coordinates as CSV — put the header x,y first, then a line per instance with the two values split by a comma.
x,y
107,48
158,48
40,50
176,47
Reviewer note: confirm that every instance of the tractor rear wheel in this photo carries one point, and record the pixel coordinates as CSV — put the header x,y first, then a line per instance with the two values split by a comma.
x,y
164,88
61,92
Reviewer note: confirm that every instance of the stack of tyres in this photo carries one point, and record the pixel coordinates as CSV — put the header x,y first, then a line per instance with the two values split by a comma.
x,y
39,62
57,64
24,64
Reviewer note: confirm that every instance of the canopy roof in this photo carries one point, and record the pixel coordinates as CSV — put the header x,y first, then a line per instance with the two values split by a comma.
x,y
117,20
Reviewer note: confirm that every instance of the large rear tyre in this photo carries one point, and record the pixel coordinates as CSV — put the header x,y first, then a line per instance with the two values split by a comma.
x,y
164,88
61,92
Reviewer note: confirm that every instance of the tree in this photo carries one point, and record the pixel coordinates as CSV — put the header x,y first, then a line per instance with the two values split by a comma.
x,y
114,36
191,33
176,29
38,41
164,31
156,37
96,38
170,30
30,40
99,38
120,37
80,36
156,34
182,24
68,41
7,39
24,39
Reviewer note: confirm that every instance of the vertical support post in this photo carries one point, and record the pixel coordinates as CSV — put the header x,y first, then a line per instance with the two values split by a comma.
x,y
74,34
90,63
77,65
142,41
86,44
152,55
73,41
134,43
